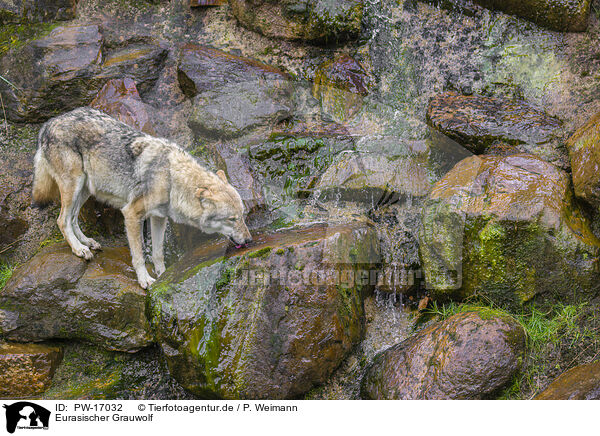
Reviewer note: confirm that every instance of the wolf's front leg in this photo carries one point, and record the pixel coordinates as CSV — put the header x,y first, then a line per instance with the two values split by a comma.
x,y
157,228
133,227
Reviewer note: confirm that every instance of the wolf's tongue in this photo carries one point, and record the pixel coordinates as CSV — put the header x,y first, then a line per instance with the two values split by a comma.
x,y
238,246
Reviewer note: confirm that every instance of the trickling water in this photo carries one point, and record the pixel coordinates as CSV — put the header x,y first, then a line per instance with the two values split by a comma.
x,y
388,322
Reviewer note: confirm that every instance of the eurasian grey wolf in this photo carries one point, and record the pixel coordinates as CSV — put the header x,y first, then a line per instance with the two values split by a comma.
x,y
86,152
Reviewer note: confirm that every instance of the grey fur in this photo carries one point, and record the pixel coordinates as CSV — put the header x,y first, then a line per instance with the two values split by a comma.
x,y
87,153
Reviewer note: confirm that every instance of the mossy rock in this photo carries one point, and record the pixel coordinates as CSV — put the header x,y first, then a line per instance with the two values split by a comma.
x,y
35,11
322,21
584,151
508,229
258,323
470,355
57,295
90,373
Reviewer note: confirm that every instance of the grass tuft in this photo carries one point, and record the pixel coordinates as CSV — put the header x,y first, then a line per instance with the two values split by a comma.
x,y
6,272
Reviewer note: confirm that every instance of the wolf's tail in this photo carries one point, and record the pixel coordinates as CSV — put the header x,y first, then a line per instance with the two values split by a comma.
x,y
45,188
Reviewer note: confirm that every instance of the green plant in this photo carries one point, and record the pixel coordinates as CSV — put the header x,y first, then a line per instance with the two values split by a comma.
x,y
6,272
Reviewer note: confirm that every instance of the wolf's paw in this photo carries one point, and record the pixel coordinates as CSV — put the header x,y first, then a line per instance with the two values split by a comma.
x,y
159,269
83,252
94,245
146,282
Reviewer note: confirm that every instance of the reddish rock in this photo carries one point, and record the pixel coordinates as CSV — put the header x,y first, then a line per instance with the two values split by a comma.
x,y
120,99
468,356
200,3
26,370
579,383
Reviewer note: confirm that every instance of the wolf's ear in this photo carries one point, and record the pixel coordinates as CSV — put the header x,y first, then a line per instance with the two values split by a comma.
x,y
222,175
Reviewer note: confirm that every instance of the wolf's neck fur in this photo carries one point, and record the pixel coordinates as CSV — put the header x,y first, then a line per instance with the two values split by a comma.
x,y
188,177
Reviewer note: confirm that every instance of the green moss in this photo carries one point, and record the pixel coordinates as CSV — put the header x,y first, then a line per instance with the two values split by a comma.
x,y
13,36
54,239
262,253
227,275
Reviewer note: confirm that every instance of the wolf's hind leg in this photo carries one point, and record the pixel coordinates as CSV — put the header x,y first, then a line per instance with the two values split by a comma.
x,y
78,203
157,229
69,192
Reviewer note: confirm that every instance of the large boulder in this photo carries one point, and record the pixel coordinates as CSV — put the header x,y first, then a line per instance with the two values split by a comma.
x,y
59,295
579,383
27,369
65,69
559,15
508,229
289,167
584,151
341,84
231,95
370,177
266,322
470,355
120,99
492,125
315,20
53,73
27,11
91,373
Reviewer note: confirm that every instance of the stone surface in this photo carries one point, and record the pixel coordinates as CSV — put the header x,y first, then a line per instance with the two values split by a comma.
x,y
265,322
91,373
584,151
340,84
65,69
27,369
201,3
559,15
19,11
288,167
59,295
120,99
579,383
370,177
470,355
508,229
232,95
315,20
484,125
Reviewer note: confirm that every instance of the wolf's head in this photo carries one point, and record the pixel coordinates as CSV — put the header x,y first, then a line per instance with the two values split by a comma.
x,y
223,210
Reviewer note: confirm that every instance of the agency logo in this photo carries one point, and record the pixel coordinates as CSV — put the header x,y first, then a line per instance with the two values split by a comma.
x,y
26,415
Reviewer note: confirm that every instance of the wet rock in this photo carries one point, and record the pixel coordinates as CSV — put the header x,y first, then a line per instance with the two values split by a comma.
x,y
340,84
259,322
54,73
120,99
508,230
200,3
27,369
236,165
90,373
64,70
487,125
371,178
584,152
231,95
59,295
27,11
289,167
140,62
315,20
559,15
470,355
579,383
